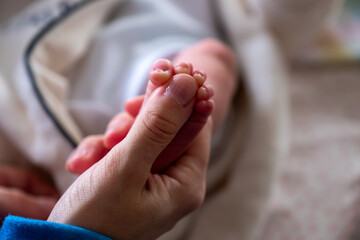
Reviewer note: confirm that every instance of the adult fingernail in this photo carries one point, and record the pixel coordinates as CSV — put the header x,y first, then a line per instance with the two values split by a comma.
x,y
182,88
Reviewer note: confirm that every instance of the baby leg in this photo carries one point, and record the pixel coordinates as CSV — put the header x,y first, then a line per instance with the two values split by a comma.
x,y
218,62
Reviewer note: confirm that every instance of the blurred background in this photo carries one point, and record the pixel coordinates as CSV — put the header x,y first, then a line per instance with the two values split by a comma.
x,y
9,7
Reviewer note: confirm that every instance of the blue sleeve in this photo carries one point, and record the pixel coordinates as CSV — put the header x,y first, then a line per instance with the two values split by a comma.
x,y
23,228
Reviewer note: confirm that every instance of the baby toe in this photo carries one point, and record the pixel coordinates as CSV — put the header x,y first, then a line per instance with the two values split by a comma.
x,y
183,67
205,92
200,77
161,72
204,107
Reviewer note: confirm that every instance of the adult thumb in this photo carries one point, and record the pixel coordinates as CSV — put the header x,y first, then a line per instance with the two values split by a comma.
x,y
159,120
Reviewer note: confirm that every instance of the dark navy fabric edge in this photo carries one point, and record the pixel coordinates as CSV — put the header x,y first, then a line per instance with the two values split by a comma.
x,y
29,50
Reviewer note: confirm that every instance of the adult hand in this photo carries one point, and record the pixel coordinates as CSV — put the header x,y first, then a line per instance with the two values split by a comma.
x,y
25,194
119,197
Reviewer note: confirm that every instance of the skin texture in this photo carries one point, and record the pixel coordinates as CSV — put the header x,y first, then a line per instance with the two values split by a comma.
x,y
93,148
219,64
120,192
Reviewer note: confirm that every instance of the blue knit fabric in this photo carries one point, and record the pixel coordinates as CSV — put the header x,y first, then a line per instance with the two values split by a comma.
x,y
22,228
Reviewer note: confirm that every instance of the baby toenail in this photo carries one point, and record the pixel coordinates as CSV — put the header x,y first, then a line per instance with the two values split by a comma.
x,y
162,64
182,88
160,70
200,77
183,68
159,76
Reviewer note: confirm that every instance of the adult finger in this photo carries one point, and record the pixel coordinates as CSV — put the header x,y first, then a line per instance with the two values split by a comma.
x,y
89,151
133,105
160,118
25,180
184,137
195,160
117,129
16,202
189,173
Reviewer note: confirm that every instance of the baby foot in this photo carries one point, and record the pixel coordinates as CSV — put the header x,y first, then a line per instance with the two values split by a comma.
x,y
162,74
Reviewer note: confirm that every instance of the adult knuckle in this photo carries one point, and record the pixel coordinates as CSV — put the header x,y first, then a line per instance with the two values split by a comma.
x,y
159,128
